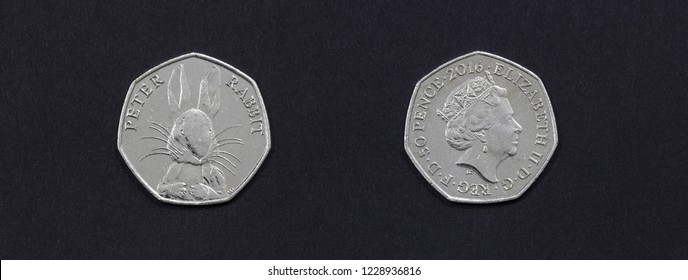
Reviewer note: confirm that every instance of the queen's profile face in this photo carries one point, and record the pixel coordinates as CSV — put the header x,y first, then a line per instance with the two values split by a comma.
x,y
480,123
502,137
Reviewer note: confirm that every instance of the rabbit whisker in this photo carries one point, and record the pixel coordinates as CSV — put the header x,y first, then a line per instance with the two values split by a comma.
x,y
176,149
224,141
231,138
175,153
159,130
166,132
154,153
228,153
227,143
223,157
163,127
221,164
230,127
171,144
153,137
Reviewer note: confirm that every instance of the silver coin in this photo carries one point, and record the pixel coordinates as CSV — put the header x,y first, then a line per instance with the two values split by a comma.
x,y
193,130
480,128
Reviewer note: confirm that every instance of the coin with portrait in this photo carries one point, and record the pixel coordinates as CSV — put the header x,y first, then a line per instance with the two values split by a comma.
x,y
480,128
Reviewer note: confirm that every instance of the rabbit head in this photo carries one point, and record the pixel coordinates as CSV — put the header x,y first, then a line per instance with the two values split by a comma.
x,y
192,134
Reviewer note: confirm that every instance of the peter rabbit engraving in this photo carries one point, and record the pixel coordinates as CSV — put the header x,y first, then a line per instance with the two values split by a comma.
x,y
192,144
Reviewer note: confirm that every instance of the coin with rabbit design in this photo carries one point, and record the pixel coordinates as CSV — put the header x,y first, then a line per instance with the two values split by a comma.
x,y
194,130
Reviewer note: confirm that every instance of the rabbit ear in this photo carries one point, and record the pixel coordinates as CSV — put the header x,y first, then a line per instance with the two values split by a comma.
x,y
216,104
210,85
177,86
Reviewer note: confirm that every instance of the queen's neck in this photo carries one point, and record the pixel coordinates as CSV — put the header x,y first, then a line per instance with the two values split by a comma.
x,y
484,162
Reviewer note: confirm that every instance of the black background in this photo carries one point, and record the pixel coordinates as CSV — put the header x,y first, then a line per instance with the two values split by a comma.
x,y
337,78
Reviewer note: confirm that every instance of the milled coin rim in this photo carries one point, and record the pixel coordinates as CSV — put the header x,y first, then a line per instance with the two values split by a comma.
x,y
429,179
253,171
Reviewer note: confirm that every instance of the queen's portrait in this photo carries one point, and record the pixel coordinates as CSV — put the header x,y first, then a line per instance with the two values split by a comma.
x,y
480,123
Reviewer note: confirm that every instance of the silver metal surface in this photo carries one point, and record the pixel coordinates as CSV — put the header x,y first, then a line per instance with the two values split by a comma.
x,y
480,128
193,130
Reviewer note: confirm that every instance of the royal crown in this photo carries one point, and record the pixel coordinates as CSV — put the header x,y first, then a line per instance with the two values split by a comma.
x,y
465,95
